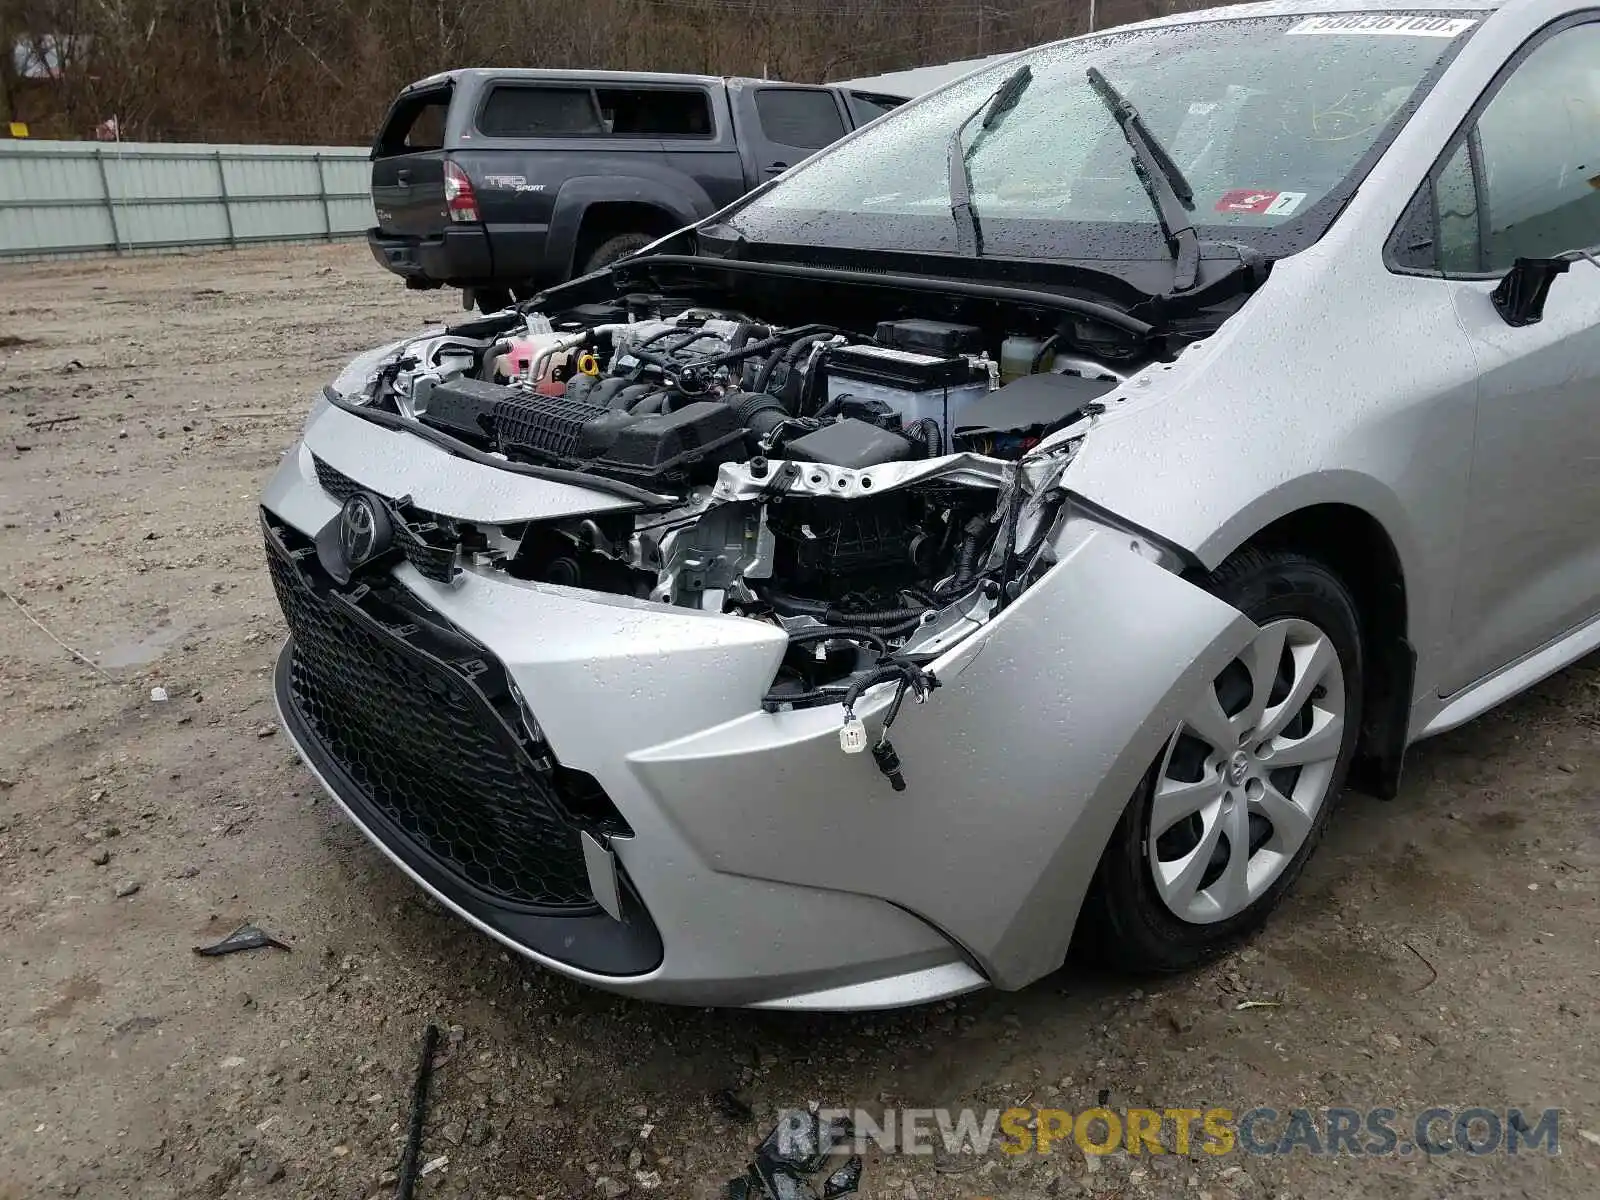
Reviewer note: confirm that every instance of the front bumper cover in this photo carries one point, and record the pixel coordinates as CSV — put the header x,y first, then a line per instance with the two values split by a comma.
x,y
779,871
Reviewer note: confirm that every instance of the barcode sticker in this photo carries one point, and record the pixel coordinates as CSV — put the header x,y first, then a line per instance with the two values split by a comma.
x,y
1385,25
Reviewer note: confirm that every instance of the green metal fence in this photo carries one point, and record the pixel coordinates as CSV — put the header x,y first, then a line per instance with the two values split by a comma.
x,y
62,199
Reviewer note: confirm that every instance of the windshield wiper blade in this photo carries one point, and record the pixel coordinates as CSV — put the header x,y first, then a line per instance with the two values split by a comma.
x,y
1163,182
969,229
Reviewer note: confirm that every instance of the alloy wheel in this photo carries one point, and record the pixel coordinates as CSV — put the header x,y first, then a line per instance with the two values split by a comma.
x,y
1244,776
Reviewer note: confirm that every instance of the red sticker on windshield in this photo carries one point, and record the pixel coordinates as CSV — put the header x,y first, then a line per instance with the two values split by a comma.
x,y
1257,203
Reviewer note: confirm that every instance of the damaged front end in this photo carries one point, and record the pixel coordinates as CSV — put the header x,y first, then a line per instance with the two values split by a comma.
x,y
877,497
601,618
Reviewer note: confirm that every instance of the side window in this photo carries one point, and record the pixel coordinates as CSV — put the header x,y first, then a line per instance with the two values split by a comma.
x,y
1540,139
1412,247
1457,205
416,125
868,107
655,112
799,117
515,111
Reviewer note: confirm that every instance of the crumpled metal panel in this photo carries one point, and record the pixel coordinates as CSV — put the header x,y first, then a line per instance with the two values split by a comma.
x,y
397,463
1019,766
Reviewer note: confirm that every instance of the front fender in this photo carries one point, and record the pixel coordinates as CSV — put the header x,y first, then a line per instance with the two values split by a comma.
x,y
1350,489
682,199
1018,766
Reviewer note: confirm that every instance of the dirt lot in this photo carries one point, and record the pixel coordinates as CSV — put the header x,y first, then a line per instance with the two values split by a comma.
x,y
1441,949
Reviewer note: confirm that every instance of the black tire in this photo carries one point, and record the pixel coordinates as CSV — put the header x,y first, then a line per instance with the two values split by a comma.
x,y
1126,923
489,299
613,248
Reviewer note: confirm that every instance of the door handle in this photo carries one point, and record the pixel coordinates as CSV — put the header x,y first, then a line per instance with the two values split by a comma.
x,y
777,168
402,177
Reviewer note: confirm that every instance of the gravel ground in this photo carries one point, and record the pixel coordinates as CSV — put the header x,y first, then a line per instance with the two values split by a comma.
x,y
1441,949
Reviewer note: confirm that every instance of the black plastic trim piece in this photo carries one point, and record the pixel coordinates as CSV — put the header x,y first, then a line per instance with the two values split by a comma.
x,y
1417,228
592,942
1191,561
1386,732
460,449
1029,297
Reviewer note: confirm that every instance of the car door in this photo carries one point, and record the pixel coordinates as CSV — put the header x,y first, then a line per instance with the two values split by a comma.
x,y
781,124
1524,181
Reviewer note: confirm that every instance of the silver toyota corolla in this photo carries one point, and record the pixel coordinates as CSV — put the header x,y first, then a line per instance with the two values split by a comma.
x,y
1013,524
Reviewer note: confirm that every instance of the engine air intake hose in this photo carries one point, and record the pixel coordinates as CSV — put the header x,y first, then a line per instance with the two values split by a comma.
x,y
760,414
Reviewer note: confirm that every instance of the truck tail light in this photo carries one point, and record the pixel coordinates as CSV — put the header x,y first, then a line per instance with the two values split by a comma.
x,y
459,198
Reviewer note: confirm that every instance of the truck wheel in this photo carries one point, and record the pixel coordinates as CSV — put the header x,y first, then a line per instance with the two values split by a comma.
x,y
486,299
613,248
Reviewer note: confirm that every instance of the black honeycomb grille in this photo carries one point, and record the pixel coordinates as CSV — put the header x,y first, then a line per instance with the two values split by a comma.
x,y
428,543
336,483
403,711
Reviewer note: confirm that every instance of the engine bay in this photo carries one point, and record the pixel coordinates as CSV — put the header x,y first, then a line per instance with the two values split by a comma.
x,y
661,394
870,492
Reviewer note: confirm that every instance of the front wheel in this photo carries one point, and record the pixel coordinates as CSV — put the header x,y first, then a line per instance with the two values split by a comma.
x,y
1240,794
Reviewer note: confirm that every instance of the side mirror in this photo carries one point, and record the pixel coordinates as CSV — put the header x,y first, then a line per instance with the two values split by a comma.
x,y
1519,297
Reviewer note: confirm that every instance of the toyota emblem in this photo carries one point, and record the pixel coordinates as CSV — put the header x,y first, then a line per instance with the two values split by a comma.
x,y
358,530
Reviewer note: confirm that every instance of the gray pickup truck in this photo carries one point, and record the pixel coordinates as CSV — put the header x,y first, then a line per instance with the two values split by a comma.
x,y
501,182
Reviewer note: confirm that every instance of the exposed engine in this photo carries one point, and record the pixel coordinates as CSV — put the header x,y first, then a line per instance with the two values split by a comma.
x,y
663,400
867,493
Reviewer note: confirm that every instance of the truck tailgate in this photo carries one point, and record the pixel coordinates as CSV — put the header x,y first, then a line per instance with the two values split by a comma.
x,y
408,165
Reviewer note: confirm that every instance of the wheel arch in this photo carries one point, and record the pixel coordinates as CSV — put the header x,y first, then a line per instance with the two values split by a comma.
x,y
587,203
1361,550
606,219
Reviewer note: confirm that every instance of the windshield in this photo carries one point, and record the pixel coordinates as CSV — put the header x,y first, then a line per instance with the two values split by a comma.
x,y
1271,120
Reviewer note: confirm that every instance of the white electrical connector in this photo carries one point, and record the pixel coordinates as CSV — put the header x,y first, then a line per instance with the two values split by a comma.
x,y
852,736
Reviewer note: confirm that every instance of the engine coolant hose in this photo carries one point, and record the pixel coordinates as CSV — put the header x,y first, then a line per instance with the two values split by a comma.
x,y
490,357
967,559
927,434
788,356
764,376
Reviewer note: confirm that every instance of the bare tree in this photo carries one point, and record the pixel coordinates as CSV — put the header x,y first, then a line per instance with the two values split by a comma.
x,y
10,30
325,70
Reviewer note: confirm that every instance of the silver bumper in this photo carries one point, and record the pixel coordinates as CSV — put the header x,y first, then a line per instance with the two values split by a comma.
x,y
782,873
